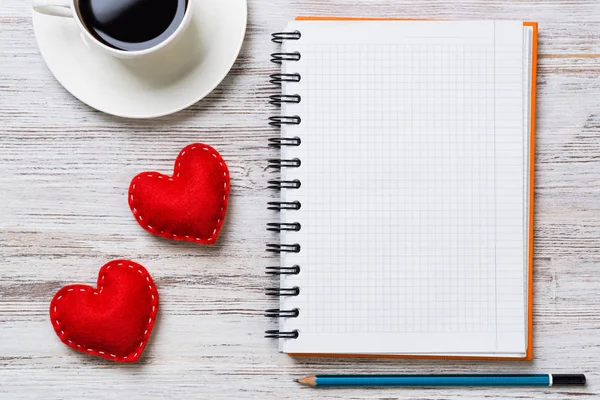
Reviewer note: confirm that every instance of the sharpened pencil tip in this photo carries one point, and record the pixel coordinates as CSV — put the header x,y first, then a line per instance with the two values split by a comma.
x,y
308,381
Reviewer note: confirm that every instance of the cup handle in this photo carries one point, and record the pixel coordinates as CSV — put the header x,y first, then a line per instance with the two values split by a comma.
x,y
57,8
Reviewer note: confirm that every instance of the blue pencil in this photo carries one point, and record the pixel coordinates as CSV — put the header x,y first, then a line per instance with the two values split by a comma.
x,y
445,380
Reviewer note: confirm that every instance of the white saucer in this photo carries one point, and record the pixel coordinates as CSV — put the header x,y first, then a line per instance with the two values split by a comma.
x,y
167,82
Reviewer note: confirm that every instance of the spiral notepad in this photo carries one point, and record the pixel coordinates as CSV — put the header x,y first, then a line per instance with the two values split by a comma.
x,y
406,181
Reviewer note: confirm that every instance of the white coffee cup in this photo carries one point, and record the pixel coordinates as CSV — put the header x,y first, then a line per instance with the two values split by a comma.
x,y
70,9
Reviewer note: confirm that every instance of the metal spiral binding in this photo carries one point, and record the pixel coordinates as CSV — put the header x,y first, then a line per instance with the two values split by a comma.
x,y
283,248
283,205
278,79
278,184
279,58
279,37
277,334
278,227
281,120
278,164
278,99
295,291
277,313
294,270
281,141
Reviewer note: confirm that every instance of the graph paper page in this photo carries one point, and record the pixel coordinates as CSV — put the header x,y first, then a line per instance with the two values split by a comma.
x,y
412,188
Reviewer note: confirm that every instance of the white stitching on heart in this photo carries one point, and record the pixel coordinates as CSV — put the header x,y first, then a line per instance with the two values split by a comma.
x,y
152,289
185,151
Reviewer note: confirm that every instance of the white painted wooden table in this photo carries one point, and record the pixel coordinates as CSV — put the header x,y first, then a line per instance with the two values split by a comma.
x,y
64,173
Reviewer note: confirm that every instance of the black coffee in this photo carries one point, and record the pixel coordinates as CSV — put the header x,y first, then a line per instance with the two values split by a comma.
x,y
132,24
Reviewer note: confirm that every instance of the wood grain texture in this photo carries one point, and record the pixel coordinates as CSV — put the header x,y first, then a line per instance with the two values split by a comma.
x,y
64,173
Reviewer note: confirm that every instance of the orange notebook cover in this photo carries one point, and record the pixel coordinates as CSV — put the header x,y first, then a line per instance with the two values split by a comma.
x,y
531,149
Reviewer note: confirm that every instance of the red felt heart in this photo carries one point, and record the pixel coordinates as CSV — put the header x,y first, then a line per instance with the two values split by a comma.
x,y
191,204
113,321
